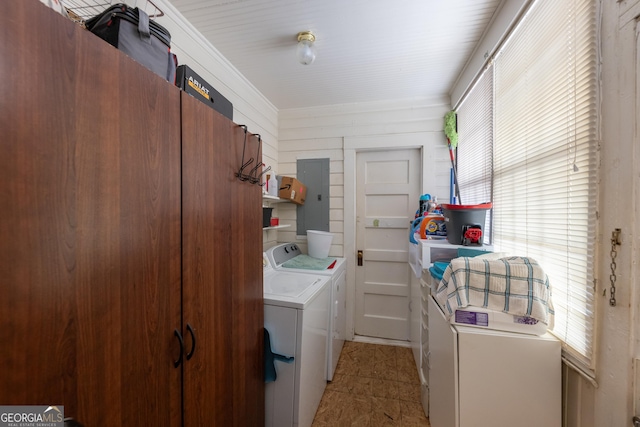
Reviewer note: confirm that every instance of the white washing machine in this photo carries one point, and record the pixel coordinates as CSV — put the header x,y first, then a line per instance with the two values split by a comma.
x,y
296,315
289,257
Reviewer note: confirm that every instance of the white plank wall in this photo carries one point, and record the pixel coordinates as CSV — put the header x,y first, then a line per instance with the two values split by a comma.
x,y
250,107
319,133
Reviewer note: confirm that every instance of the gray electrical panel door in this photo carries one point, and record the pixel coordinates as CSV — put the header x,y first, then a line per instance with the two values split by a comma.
x,y
314,214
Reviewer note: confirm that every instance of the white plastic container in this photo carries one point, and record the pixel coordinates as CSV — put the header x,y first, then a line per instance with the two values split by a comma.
x,y
273,185
319,243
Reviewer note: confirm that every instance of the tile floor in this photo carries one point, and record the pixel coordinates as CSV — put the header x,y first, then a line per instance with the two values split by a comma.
x,y
374,385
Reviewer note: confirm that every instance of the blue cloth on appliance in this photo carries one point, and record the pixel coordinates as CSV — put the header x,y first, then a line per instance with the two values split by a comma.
x,y
514,285
437,270
441,266
470,253
307,262
269,359
435,273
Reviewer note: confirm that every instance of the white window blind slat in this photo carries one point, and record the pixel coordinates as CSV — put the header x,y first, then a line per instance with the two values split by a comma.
x,y
475,159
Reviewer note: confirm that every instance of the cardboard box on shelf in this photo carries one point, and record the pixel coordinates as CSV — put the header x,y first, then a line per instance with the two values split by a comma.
x,y
293,190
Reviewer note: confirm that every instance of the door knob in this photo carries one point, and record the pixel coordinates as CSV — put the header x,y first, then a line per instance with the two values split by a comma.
x,y
360,258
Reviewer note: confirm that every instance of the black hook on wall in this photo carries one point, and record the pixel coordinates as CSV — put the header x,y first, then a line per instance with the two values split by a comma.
x,y
240,174
252,176
257,179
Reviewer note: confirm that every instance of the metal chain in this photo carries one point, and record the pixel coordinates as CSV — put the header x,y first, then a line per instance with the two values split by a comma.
x,y
615,241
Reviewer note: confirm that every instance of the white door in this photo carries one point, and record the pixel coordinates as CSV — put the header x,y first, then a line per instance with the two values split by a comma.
x,y
387,194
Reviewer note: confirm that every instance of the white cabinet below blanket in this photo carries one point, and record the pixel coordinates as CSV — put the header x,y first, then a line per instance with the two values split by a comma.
x,y
480,377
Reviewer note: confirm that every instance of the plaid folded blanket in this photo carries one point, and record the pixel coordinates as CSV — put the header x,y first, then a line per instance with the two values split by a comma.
x,y
514,285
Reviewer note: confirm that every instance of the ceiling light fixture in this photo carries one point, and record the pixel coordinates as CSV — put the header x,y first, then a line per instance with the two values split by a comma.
x,y
305,52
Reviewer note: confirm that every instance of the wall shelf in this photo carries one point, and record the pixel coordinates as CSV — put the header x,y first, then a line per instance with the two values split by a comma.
x,y
276,227
268,199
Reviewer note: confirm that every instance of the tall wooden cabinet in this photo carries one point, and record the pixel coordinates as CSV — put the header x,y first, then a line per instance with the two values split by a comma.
x,y
116,240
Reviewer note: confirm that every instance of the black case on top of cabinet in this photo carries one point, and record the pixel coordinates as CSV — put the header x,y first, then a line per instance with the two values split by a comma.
x,y
190,82
131,31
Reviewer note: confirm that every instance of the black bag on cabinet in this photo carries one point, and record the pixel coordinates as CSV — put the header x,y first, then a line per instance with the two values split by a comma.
x,y
190,82
131,31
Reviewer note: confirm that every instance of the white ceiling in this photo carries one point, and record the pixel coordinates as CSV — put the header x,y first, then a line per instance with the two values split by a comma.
x,y
367,50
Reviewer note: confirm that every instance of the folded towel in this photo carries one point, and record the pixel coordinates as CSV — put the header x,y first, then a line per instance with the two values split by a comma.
x,y
514,285
309,263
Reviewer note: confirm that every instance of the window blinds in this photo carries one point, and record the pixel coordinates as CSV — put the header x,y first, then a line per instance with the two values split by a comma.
x,y
475,153
544,170
475,146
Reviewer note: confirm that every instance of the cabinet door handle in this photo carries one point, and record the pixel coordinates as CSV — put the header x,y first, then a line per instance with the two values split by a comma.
x,y
360,258
193,341
179,336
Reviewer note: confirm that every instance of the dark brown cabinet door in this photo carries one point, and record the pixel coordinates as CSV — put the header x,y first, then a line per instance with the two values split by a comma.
x,y
222,273
89,225
247,291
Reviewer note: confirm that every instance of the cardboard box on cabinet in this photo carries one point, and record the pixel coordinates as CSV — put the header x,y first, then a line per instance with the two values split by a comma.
x,y
293,190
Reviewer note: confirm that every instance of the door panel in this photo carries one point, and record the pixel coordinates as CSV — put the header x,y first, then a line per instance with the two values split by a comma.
x,y
206,287
222,273
90,230
387,188
245,256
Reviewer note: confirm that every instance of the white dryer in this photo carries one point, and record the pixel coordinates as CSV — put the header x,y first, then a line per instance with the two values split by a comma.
x,y
296,315
289,257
